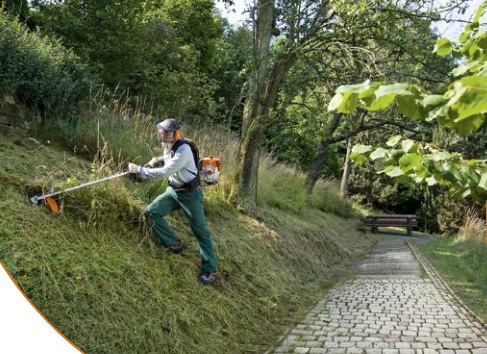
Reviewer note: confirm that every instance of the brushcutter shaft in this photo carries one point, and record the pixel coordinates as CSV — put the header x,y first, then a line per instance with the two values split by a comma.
x,y
38,198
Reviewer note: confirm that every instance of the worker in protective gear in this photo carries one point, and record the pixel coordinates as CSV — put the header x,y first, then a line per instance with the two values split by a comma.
x,y
180,166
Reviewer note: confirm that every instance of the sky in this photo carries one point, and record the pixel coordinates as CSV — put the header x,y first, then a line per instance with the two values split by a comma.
x,y
235,15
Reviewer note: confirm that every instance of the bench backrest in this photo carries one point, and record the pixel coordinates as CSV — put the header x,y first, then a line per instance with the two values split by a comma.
x,y
392,220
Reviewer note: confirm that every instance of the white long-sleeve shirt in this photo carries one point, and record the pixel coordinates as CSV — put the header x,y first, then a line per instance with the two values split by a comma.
x,y
179,168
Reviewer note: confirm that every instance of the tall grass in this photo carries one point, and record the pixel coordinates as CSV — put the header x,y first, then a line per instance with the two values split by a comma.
x,y
121,126
472,232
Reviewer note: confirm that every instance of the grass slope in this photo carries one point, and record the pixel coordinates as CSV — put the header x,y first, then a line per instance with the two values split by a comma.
x,y
105,284
463,264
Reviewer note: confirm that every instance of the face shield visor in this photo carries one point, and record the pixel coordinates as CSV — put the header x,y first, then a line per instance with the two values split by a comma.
x,y
165,136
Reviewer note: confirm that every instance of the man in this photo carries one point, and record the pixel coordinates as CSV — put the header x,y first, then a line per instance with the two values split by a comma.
x,y
179,164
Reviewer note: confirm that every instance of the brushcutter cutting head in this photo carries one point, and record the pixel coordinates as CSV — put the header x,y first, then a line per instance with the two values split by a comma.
x,y
52,205
50,202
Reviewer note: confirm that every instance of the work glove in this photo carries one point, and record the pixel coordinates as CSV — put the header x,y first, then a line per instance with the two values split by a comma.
x,y
154,162
133,169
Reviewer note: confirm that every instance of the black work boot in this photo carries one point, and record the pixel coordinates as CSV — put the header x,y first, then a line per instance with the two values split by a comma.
x,y
207,278
176,247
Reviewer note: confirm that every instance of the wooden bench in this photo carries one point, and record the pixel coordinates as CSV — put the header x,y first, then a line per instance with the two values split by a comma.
x,y
407,221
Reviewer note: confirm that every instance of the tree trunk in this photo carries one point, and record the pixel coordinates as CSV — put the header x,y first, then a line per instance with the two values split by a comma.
x,y
320,155
347,169
245,194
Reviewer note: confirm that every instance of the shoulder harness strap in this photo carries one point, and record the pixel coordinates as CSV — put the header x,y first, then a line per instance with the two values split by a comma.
x,y
194,150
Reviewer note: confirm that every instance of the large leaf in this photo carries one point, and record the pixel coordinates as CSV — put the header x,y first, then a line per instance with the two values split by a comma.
x,y
378,153
480,11
469,96
343,102
393,140
408,145
373,103
431,181
443,47
410,162
358,88
394,89
395,172
468,125
483,181
335,102
361,149
466,67
410,107
432,101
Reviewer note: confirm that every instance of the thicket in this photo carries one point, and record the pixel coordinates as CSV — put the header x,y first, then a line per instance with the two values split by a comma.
x,y
41,72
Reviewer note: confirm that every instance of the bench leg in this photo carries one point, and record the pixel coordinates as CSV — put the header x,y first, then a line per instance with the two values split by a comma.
x,y
375,229
410,231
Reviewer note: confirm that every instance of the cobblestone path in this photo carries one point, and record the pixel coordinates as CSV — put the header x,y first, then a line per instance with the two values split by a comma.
x,y
396,304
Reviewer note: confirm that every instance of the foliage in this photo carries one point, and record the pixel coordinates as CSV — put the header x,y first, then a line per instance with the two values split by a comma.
x,y
460,107
230,70
40,71
160,49
18,8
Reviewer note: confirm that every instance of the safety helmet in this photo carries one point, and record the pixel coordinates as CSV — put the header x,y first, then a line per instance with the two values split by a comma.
x,y
169,125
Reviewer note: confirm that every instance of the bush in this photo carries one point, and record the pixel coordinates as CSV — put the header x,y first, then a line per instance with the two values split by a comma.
x,y
40,71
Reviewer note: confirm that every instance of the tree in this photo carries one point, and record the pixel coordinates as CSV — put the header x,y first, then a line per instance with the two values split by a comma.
x,y
461,107
18,8
255,109
160,49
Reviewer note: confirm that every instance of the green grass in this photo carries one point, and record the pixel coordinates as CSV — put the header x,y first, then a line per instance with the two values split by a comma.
x,y
103,282
462,262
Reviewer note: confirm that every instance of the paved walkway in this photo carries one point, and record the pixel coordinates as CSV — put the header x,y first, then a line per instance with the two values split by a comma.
x,y
396,304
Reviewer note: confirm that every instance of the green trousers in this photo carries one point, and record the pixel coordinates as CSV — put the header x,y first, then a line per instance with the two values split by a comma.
x,y
192,205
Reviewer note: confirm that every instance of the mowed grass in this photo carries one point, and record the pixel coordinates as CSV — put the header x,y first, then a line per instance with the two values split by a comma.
x,y
101,279
462,262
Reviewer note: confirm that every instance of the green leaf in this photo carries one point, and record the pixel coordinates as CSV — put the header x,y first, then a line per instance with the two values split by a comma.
x,y
440,156
432,101
358,158
357,88
395,172
349,103
431,181
480,11
361,149
443,47
408,144
387,169
335,102
394,140
394,89
410,107
370,91
439,114
469,96
481,39
468,125
410,162
378,153
466,193
466,67
373,103
483,181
